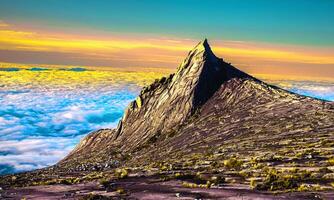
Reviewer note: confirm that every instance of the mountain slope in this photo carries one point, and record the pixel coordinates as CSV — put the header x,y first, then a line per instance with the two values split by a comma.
x,y
207,103
248,119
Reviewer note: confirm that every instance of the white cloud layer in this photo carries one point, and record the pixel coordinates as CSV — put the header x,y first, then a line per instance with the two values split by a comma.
x,y
39,126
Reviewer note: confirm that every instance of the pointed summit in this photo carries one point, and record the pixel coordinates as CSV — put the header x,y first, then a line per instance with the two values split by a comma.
x,y
200,52
203,46
207,71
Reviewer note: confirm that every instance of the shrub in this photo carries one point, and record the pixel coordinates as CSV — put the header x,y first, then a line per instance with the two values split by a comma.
x,y
93,196
304,187
92,176
189,185
216,180
104,182
279,181
65,181
308,187
253,183
48,182
194,185
121,173
232,163
304,174
331,161
166,167
120,191
182,176
325,170
245,174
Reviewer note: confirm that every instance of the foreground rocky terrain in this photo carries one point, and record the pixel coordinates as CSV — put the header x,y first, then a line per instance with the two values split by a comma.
x,y
207,131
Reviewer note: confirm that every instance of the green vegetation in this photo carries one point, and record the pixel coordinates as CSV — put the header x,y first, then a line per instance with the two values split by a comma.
x,y
120,191
199,180
194,185
309,187
331,161
93,196
121,173
232,163
278,180
93,176
253,183
104,182
216,180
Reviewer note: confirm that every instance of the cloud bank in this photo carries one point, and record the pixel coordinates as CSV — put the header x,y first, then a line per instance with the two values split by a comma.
x,y
40,123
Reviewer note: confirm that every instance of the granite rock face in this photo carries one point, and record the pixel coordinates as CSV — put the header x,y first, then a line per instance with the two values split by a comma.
x,y
206,103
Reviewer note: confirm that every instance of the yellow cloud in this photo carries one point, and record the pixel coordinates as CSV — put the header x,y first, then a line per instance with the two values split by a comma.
x,y
159,50
277,55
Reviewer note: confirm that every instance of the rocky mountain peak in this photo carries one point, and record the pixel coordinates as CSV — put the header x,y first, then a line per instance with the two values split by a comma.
x,y
206,71
167,103
203,46
201,52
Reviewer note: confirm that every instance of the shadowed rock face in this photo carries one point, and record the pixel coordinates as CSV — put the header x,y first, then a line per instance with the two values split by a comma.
x,y
206,103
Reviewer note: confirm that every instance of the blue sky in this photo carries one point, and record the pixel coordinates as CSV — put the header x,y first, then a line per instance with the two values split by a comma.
x,y
303,22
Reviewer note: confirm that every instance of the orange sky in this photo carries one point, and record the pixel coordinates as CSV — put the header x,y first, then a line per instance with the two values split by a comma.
x,y
23,45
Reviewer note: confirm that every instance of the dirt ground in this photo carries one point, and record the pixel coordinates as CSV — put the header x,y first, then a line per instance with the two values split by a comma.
x,y
148,188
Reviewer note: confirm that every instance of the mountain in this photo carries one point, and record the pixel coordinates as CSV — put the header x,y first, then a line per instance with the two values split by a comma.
x,y
211,124
163,106
206,104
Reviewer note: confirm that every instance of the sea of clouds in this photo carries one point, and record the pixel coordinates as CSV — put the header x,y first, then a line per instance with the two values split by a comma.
x,y
318,89
40,124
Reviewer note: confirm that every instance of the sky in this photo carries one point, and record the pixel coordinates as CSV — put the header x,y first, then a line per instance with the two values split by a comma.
x,y
260,36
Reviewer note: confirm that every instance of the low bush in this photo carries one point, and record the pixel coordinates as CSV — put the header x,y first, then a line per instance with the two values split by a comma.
x,y
279,181
121,173
194,185
120,191
331,161
232,163
217,180
95,197
253,183
104,182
